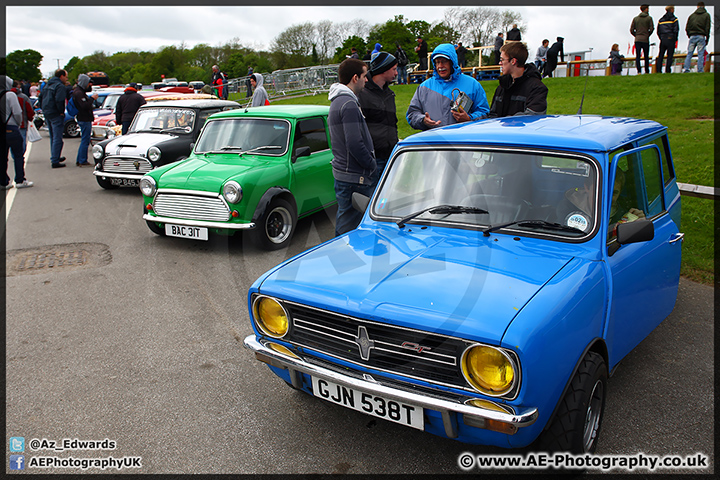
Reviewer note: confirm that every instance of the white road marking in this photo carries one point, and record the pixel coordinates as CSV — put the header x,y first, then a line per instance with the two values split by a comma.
x,y
10,197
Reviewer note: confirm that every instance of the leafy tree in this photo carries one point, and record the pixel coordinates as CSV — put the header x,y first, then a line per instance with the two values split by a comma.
x,y
441,33
348,43
23,65
293,46
418,28
392,32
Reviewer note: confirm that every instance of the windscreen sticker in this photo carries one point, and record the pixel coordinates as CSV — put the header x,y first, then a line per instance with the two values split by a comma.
x,y
578,220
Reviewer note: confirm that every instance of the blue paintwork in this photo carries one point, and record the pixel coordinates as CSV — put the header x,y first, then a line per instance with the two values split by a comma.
x,y
548,300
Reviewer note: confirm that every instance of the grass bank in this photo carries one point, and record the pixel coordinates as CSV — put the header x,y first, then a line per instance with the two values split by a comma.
x,y
685,103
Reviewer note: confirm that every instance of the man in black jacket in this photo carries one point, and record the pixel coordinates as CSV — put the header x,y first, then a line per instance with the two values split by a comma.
x,y
377,103
514,33
127,106
85,116
521,90
667,31
552,57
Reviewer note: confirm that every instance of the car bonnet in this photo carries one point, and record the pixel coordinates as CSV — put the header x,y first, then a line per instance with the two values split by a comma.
x,y
136,144
198,173
467,286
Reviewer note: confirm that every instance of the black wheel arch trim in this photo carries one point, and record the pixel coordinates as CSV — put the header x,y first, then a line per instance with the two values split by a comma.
x,y
597,346
268,197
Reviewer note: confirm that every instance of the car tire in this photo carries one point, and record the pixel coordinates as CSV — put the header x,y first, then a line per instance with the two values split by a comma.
x,y
72,129
576,425
154,226
276,226
105,183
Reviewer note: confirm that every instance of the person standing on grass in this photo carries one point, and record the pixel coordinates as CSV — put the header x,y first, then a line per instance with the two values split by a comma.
x,y
641,28
698,31
667,32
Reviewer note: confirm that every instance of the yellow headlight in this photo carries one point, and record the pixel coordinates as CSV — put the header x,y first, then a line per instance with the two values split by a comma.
x,y
488,369
271,317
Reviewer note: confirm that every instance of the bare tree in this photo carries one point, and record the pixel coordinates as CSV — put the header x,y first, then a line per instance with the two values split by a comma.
x,y
359,28
508,18
296,40
483,24
327,39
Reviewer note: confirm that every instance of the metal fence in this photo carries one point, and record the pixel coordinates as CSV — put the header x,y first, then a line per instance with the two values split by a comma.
x,y
293,81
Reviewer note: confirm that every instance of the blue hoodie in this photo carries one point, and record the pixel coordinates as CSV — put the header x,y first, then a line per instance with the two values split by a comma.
x,y
434,95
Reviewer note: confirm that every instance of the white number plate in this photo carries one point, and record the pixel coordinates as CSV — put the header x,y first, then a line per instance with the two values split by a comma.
x,y
392,410
182,231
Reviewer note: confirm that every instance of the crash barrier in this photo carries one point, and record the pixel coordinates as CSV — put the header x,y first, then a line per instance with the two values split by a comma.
x,y
293,81
700,191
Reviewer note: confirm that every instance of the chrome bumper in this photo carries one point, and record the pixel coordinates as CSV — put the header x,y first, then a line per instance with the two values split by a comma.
x,y
198,223
99,173
522,418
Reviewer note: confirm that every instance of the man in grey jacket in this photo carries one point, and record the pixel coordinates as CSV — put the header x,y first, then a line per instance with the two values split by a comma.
x,y
641,28
352,147
698,31
12,118
54,96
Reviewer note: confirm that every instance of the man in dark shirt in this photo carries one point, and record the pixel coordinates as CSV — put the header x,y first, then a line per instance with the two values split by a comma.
x,y
127,106
552,57
520,90
422,51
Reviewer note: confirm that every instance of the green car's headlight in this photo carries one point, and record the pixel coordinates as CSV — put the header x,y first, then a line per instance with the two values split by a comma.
x,y
153,154
232,191
97,152
488,369
148,187
270,316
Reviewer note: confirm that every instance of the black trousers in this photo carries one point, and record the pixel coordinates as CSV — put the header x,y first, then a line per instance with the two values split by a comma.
x,y
668,46
642,46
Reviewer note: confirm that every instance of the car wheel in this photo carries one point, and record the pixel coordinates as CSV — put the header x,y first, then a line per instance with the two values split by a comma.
x,y
276,226
72,129
577,422
154,226
105,183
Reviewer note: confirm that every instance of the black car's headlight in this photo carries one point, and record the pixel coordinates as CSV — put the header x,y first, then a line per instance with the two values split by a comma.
x,y
489,370
270,316
148,187
97,152
232,191
153,154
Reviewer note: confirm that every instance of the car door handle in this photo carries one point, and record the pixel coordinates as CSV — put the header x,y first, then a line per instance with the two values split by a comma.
x,y
677,236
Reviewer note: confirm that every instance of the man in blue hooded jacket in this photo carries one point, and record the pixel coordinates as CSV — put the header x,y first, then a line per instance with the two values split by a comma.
x,y
431,106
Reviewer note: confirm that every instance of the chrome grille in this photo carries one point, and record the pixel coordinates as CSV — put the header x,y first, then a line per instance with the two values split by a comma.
x,y
340,336
127,165
191,206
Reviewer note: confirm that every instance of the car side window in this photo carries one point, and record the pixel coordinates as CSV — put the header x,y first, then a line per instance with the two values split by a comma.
x,y
311,133
637,191
667,169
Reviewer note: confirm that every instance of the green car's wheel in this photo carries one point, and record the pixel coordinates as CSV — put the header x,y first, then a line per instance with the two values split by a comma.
x,y
576,425
152,225
275,227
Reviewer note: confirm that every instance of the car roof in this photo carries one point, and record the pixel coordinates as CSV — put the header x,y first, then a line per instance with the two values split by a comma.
x,y
277,111
578,132
192,103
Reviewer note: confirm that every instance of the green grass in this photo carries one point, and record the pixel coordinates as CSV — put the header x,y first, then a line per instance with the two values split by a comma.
x,y
685,103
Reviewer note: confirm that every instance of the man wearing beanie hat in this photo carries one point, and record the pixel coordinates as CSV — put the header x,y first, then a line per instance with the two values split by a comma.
x,y
85,116
431,106
377,103
127,106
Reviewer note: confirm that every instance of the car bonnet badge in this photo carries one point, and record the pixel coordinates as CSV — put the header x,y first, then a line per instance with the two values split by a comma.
x,y
364,343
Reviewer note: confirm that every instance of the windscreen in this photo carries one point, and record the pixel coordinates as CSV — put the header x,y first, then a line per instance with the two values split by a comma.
x,y
235,135
164,119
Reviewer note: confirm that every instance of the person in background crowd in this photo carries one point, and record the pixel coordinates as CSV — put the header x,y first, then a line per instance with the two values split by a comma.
x,y
422,51
84,118
352,147
53,98
127,106
520,90
667,31
461,51
616,60
514,33
27,113
248,85
552,57
641,28
498,44
260,97
433,102
402,60
377,102
218,79
541,55
354,53
25,87
367,55
12,118
376,50
34,90
698,31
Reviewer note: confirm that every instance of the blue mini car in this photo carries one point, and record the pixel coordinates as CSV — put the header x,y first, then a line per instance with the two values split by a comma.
x,y
502,270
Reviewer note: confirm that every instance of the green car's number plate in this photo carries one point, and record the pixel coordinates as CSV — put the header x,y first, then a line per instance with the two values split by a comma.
x,y
183,231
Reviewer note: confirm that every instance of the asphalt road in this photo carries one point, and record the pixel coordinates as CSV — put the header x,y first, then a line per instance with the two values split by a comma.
x,y
141,345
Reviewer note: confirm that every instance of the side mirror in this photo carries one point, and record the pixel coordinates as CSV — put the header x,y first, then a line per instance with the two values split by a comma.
x,y
360,202
634,232
301,152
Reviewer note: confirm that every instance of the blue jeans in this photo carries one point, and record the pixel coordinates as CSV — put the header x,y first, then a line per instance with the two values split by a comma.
x,y
14,143
56,126
402,75
699,42
347,217
85,128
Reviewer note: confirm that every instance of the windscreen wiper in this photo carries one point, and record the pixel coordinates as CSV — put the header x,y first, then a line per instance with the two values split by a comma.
x,y
532,223
262,147
442,209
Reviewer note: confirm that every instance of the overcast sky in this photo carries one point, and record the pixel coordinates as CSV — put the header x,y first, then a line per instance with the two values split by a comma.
x,y
59,33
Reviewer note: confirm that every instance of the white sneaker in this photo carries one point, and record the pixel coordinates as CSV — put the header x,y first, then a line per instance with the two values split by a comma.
x,y
24,184
8,186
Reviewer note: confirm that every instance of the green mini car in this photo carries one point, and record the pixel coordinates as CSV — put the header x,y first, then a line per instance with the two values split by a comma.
x,y
258,169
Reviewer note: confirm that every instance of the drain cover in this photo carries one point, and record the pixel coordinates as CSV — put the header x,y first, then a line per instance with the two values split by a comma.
x,y
70,256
